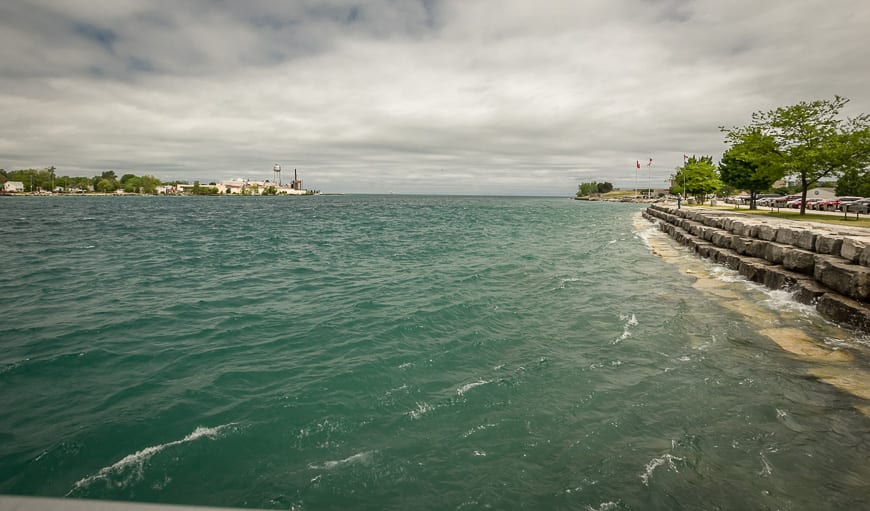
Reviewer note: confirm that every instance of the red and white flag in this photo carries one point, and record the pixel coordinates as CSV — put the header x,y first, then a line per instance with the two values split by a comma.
x,y
650,163
638,163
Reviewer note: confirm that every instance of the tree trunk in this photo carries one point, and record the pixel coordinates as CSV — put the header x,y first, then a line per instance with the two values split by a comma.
x,y
803,197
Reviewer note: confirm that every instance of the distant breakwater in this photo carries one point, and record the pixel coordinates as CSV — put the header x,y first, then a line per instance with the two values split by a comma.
x,y
827,267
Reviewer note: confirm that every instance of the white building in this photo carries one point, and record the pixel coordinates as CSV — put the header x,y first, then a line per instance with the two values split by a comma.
x,y
13,187
249,187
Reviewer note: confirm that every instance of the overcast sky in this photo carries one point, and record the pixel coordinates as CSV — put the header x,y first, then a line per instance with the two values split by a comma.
x,y
470,97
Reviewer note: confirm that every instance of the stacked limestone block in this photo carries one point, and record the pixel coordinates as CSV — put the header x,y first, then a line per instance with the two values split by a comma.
x,y
828,267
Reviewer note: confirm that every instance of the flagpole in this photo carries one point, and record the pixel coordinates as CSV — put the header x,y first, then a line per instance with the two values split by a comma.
x,y
649,179
636,168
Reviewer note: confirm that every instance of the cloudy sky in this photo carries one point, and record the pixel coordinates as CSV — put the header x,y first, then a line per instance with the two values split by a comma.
x,y
417,96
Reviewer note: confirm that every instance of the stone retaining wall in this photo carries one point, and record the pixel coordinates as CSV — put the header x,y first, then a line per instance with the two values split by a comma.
x,y
825,266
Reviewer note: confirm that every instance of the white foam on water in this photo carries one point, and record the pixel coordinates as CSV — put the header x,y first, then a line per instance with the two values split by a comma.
x,y
782,300
604,506
766,469
479,453
468,386
422,409
401,388
477,428
406,365
360,457
564,281
656,463
644,230
629,321
135,463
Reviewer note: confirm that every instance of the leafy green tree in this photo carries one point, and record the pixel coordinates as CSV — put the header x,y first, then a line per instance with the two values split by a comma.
x,y
149,184
587,189
697,177
131,184
605,187
104,186
754,162
854,182
815,142
125,178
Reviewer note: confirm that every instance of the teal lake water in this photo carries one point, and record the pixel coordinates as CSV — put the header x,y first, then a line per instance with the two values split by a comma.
x,y
401,352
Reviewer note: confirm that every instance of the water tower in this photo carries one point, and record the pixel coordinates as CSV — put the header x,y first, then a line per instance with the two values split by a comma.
x,y
277,171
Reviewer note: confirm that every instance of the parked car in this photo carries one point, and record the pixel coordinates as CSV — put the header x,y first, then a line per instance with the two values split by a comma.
x,y
855,206
766,200
782,202
834,204
861,206
813,202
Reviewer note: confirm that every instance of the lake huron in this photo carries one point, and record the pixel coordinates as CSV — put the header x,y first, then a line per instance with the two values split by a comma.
x,y
406,352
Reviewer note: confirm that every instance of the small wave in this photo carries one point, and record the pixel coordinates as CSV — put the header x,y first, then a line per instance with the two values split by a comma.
x,y
564,281
468,386
766,469
630,321
422,409
604,506
477,428
360,457
135,463
657,462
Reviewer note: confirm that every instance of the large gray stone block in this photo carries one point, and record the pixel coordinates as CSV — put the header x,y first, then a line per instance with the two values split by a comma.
x,y
801,261
775,252
766,232
806,240
829,244
786,235
754,269
844,310
843,277
852,248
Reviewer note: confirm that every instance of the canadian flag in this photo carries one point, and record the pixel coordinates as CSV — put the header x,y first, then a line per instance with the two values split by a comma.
x,y
638,163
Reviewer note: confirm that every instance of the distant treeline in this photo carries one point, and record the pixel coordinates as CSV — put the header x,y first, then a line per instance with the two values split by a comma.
x,y
587,189
36,180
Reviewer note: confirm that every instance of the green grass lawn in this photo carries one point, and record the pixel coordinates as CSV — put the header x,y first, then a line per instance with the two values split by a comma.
x,y
794,214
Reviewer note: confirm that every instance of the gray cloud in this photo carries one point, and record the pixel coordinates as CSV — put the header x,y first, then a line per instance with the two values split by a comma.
x,y
376,96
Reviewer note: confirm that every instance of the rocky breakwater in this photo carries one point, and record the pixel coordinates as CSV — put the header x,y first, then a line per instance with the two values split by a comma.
x,y
825,266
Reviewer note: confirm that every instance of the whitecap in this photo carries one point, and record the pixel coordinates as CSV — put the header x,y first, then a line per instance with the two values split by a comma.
x,y
657,462
630,321
477,428
422,408
360,457
135,463
468,386
562,282
766,469
604,506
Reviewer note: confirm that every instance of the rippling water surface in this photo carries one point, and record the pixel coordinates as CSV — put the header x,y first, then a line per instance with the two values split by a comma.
x,y
393,352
